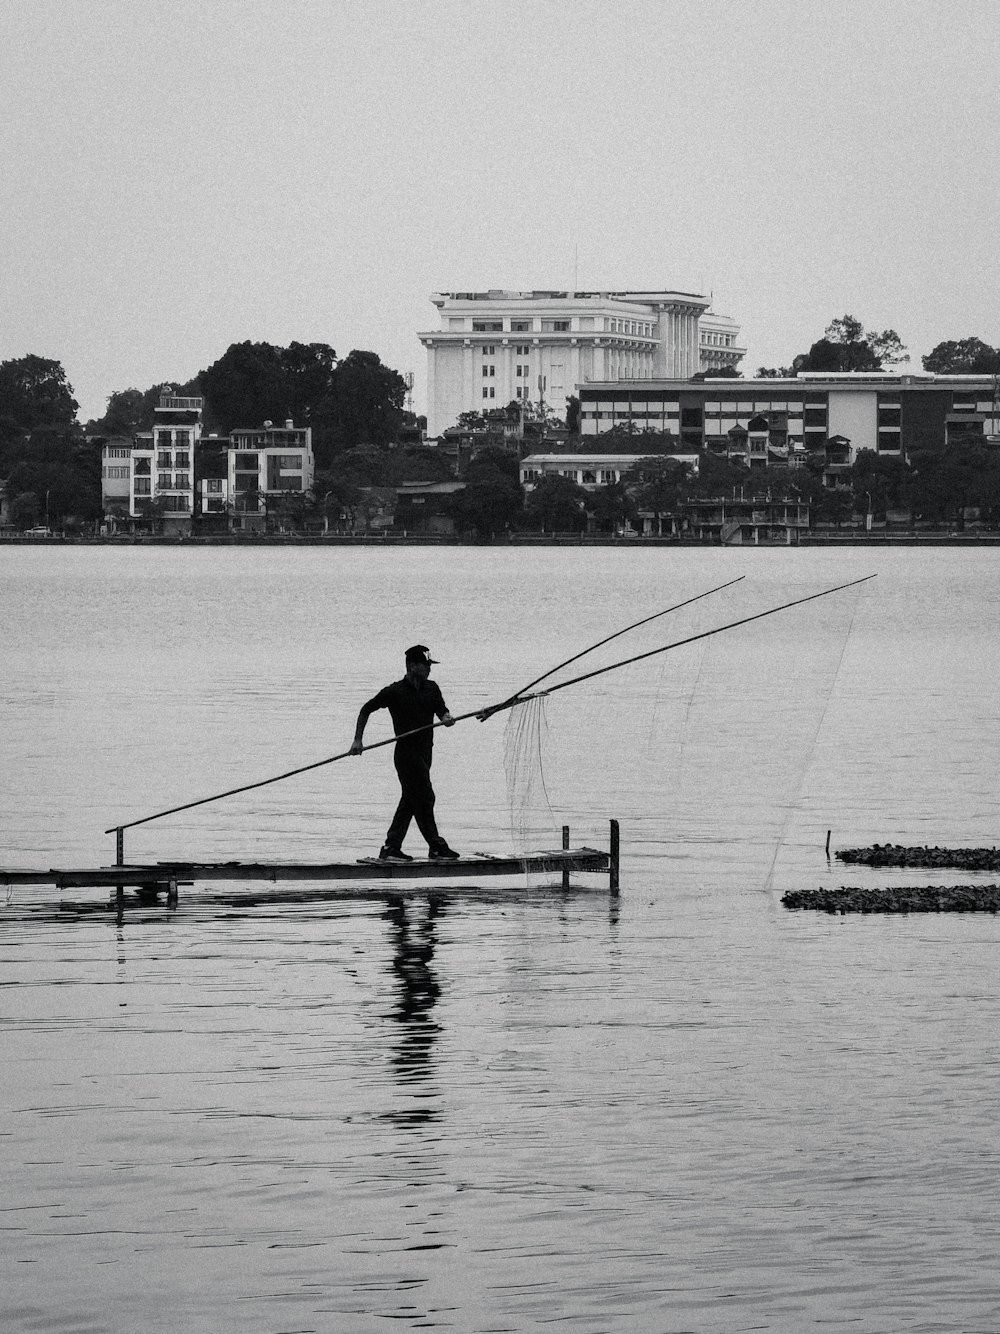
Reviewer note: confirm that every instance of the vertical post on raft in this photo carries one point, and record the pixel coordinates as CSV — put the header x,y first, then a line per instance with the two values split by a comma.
x,y
565,843
613,857
120,861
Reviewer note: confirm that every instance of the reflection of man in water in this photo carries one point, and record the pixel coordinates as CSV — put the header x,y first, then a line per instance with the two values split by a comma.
x,y
413,942
413,702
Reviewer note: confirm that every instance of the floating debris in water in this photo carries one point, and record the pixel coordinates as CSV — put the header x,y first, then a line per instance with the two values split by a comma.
x,y
904,899
893,854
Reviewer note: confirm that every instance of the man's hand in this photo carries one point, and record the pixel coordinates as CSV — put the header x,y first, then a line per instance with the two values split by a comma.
x,y
356,747
448,720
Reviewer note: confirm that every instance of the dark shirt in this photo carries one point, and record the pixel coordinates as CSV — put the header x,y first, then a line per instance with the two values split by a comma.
x,y
409,708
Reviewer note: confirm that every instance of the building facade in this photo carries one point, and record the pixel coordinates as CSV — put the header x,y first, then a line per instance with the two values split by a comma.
x,y
263,467
499,346
161,482
590,471
174,474
888,412
116,478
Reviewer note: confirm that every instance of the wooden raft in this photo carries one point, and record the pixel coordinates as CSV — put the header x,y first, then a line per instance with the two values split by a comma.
x,y
369,868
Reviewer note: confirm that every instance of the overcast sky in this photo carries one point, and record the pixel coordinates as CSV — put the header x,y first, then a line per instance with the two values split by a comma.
x,y
180,176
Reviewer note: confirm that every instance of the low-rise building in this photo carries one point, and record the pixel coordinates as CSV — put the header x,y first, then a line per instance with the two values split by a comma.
x,y
425,507
890,412
752,520
590,471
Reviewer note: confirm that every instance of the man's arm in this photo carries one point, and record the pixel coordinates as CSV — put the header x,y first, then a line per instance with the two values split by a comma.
x,y
441,709
359,731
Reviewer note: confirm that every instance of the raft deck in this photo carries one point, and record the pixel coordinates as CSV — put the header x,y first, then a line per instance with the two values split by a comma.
x,y
146,874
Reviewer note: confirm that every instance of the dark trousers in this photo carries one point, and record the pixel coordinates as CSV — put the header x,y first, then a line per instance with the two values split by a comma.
x,y
413,769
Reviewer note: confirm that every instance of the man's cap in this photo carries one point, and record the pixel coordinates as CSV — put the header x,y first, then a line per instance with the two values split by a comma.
x,y
419,653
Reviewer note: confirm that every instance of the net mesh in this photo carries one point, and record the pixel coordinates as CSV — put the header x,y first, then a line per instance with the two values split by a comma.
x,y
525,736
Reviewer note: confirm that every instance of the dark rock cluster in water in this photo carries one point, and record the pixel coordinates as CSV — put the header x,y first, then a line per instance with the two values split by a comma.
x,y
905,899
893,854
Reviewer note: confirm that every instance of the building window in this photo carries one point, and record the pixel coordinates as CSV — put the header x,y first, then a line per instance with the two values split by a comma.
x,y
246,462
213,486
493,392
163,439
520,326
487,326
520,371
182,439
488,349
142,467
163,481
520,392
163,459
181,482
588,477
522,349
182,460
486,392
142,486
608,475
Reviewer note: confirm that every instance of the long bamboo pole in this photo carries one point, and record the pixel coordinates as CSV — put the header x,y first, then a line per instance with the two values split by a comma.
x,y
512,699
483,714
677,643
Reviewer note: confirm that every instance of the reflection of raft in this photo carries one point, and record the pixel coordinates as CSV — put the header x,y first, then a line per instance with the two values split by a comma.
x,y
893,854
903,899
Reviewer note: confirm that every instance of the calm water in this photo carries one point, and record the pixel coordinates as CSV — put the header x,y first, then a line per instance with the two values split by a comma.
x,y
482,1112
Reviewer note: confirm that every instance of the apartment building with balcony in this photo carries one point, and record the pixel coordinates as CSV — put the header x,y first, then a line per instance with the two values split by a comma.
x,y
248,474
498,346
265,465
161,477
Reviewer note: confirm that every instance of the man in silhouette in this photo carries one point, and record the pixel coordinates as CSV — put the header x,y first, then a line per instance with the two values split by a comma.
x,y
413,703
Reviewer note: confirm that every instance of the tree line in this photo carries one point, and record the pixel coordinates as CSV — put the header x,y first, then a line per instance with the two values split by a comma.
x,y
50,462
847,346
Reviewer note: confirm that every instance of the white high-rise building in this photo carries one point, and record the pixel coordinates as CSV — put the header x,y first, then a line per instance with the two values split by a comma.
x,y
497,346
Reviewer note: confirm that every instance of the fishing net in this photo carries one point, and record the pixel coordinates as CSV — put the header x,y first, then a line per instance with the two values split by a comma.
x,y
525,736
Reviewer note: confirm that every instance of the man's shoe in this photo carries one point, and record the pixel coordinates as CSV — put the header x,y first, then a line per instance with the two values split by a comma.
x,y
442,853
387,854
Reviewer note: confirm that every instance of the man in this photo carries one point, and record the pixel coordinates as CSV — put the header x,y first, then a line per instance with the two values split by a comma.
x,y
413,703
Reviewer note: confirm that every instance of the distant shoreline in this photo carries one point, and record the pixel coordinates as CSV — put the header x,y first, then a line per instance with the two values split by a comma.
x,y
813,540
